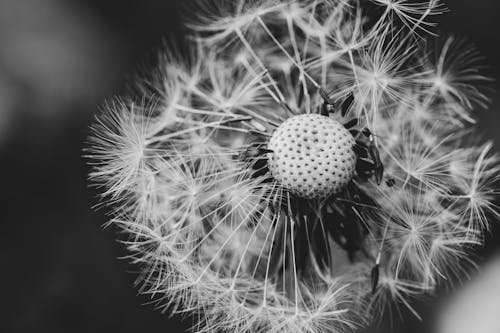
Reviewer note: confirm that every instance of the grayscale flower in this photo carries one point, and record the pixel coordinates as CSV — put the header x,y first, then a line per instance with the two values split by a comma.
x,y
307,165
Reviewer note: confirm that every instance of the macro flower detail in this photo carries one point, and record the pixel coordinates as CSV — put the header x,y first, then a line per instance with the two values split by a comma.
x,y
305,166
312,155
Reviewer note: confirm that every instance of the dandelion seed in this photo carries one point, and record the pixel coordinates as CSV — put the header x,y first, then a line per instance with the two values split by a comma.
x,y
456,77
306,166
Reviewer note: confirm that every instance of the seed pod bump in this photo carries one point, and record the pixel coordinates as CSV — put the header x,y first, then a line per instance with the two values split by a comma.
x,y
317,148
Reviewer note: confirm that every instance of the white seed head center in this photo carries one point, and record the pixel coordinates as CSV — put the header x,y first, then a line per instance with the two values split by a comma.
x,y
312,156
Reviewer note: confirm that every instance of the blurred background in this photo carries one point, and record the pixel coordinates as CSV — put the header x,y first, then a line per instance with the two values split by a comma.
x,y
61,272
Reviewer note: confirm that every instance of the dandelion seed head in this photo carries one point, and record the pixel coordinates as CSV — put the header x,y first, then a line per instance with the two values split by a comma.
x,y
307,167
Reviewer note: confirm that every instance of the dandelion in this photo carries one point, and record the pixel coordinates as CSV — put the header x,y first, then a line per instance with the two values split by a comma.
x,y
309,165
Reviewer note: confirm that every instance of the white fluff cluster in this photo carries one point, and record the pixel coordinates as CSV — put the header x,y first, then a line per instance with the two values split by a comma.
x,y
184,165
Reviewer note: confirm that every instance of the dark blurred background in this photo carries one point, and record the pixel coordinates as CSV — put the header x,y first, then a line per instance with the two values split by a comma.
x,y
59,60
